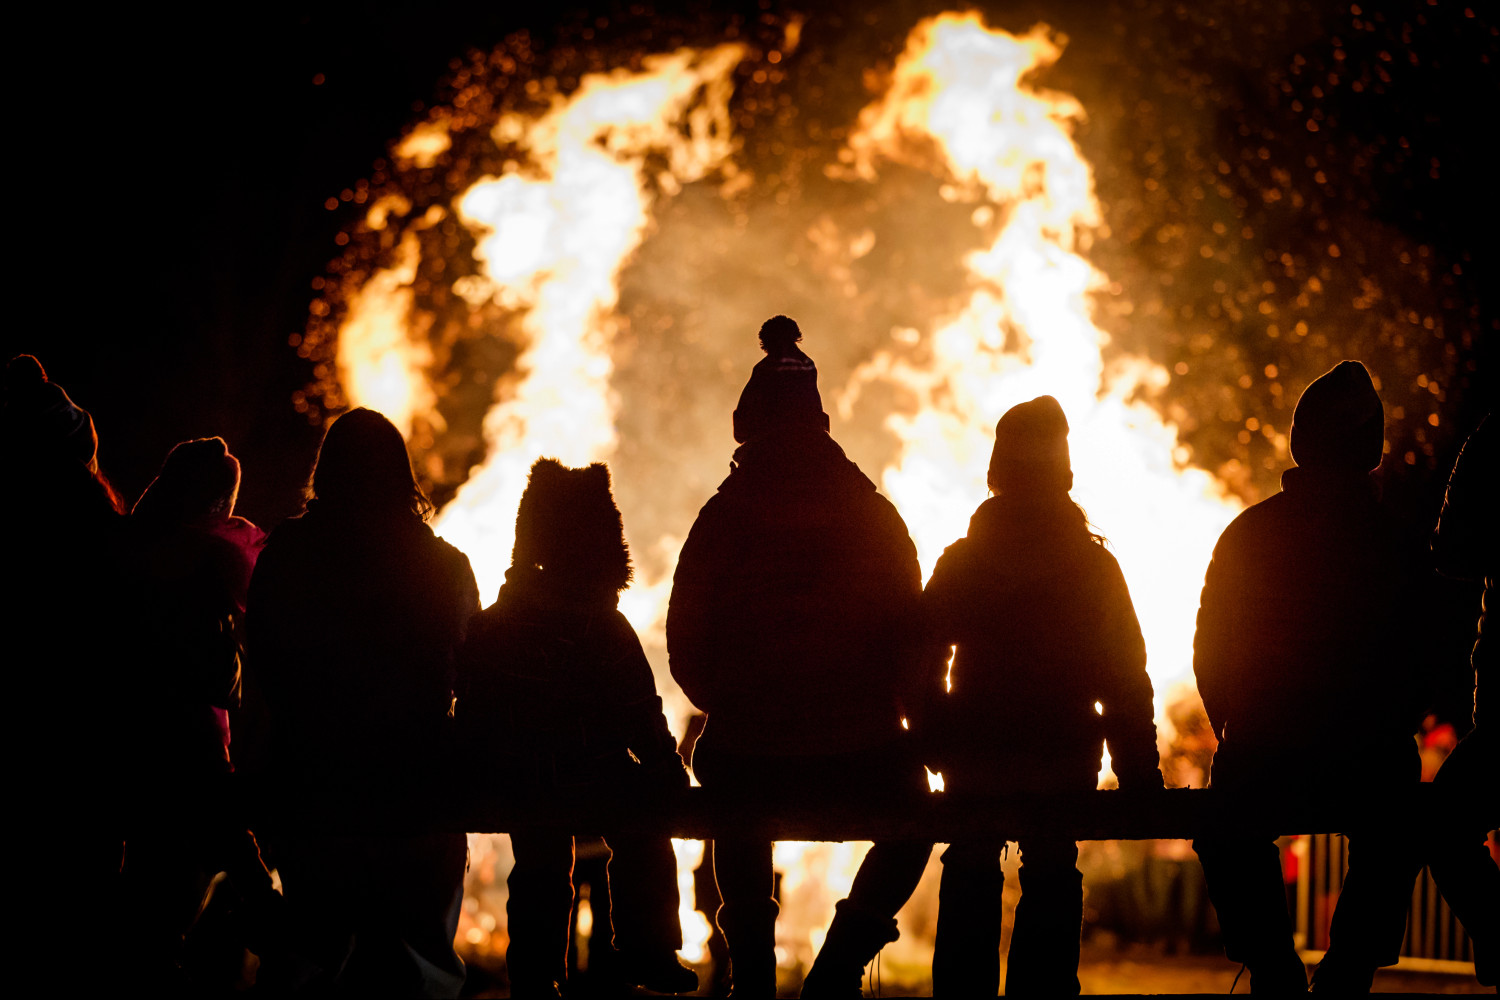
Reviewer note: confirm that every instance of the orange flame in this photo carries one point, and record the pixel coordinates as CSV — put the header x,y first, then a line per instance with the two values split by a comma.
x,y
576,201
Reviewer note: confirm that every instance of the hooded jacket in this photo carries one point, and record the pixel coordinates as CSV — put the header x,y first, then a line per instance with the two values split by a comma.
x,y
1044,628
793,617
1304,643
554,690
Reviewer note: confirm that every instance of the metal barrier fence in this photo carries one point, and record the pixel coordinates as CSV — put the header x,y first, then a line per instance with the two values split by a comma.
x,y
1435,940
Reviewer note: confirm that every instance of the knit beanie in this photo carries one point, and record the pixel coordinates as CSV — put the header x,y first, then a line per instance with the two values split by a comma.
x,y
200,480
40,411
783,388
1031,449
1339,421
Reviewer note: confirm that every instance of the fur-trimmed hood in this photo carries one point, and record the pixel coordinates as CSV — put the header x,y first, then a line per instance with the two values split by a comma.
x,y
569,533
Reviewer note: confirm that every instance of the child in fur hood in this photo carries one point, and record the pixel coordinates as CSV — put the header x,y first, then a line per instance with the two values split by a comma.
x,y
556,697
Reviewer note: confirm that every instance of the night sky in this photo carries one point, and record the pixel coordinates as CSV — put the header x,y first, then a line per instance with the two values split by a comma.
x,y
172,176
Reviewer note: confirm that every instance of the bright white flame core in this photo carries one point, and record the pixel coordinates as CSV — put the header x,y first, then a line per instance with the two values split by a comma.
x,y
1027,329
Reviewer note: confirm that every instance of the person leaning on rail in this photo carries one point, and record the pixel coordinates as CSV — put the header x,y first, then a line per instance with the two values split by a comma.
x,y
1307,658
793,624
556,702
1044,630
355,613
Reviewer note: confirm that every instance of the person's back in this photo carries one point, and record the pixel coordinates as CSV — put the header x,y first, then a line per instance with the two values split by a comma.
x,y
797,577
1048,662
1303,647
1306,661
794,624
355,615
1044,629
557,704
355,618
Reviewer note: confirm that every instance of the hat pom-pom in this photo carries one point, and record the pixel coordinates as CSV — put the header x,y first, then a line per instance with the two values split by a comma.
x,y
778,333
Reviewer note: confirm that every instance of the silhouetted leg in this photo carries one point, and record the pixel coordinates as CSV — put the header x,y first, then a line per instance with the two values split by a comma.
x,y
1459,856
742,869
888,876
538,913
647,930
1245,884
865,922
1044,943
424,909
643,894
321,890
1369,920
966,951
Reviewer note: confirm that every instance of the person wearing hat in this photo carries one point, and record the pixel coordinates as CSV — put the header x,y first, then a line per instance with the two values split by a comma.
x,y
1043,629
1307,662
793,624
556,702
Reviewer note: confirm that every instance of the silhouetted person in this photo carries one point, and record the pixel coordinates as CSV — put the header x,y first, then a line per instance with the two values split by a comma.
x,y
1044,629
793,624
62,522
556,701
1306,659
1467,546
185,572
356,612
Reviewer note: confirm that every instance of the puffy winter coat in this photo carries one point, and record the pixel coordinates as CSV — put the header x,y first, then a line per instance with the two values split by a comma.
x,y
793,618
1306,645
554,691
1044,628
354,620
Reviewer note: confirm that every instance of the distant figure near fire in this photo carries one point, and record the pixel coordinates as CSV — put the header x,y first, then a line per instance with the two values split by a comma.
x,y
556,700
1044,630
793,624
355,615
1306,658
1467,545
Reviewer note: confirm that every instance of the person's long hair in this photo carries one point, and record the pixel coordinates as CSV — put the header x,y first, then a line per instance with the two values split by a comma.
x,y
363,465
1056,506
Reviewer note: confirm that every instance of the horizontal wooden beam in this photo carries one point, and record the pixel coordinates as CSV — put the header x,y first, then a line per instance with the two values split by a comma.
x,y
703,814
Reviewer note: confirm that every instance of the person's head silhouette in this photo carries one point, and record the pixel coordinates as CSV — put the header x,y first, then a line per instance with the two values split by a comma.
x,y
1031,450
198,483
363,465
568,529
782,393
1339,421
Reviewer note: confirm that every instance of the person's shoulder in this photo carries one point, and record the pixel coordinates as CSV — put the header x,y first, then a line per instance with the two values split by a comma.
x,y
291,529
1264,515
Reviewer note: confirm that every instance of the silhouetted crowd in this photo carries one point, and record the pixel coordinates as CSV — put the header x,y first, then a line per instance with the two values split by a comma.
x,y
380,693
